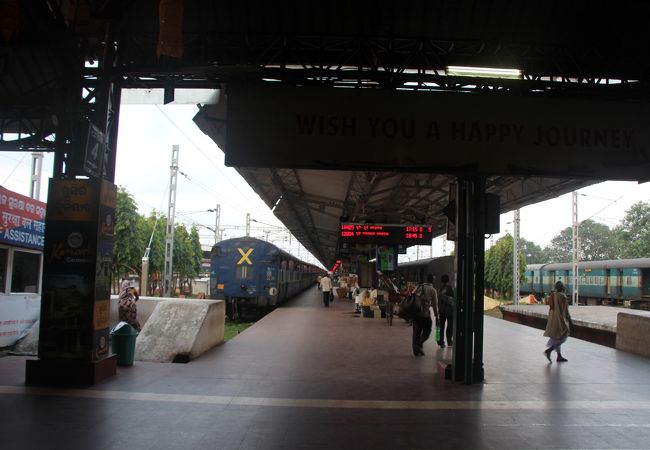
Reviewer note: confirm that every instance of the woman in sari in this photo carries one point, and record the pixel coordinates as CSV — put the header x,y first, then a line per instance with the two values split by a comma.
x,y
558,324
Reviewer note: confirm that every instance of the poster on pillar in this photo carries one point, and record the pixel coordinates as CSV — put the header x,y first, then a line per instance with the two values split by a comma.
x,y
386,258
76,280
103,269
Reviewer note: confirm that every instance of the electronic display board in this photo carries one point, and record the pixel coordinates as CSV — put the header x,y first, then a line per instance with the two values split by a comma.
x,y
383,234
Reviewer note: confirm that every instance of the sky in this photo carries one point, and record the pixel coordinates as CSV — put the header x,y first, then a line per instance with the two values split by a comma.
x,y
147,133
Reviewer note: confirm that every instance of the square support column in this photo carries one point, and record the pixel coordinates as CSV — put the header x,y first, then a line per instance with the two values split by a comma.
x,y
75,305
470,229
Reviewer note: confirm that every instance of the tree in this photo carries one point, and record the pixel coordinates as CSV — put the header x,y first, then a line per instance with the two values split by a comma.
x,y
499,266
187,256
561,247
533,252
633,233
597,242
197,251
128,237
154,229
132,235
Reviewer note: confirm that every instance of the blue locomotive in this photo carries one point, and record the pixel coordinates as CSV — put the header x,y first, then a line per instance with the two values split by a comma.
x,y
255,276
610,282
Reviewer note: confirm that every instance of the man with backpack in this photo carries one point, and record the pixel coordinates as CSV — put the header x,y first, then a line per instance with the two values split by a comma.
x,y
425,298
447,306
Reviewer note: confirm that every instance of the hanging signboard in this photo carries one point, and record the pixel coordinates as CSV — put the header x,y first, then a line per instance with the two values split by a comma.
x,y
385,234
370,129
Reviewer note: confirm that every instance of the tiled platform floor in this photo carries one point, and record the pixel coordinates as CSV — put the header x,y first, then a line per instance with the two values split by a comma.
x,y
307,377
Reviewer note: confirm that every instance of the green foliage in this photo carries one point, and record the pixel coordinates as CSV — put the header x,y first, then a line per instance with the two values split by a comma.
x,y
128,236
187,255
633,233
533,252
157,249
597,242
561,247
232,329
197,251
499,265
630,239
132,235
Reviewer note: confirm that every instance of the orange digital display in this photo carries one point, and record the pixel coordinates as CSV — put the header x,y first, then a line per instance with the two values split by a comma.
x,y
374,233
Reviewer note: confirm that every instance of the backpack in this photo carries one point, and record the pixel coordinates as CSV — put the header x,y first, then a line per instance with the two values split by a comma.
x,y
410,307
447,305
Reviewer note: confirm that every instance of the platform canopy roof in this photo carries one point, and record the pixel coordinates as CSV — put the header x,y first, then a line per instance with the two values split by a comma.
x,y
312,202
583,49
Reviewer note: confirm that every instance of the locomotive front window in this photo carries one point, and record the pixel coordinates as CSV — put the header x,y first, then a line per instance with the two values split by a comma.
x,y
244,272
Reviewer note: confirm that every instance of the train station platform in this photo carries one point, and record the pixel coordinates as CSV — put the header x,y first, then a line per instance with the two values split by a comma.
x,y
309,377
596,324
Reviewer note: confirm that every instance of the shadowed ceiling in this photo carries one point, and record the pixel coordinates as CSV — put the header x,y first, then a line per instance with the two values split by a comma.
x,y
587,49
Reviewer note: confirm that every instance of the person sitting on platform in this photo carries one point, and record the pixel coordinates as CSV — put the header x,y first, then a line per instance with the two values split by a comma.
x,y
366,303
373,294
128,311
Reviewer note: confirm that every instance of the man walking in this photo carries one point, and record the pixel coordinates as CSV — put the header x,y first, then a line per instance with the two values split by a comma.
x,y
326,287
447,306
426,297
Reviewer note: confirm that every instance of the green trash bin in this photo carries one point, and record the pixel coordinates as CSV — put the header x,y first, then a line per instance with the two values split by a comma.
x,y
123,343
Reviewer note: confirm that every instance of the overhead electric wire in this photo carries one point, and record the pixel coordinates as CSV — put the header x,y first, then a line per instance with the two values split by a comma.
x,y
14,169
209,191
219,197
155,225
165,197
206,157
604,207
206,189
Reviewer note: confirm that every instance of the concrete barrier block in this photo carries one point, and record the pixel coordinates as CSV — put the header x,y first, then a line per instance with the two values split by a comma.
x,y
633,334
146,307
183,328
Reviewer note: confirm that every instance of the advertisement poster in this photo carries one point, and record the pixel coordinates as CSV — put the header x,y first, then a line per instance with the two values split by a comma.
x,y
78,254
386,258
22,220
104,258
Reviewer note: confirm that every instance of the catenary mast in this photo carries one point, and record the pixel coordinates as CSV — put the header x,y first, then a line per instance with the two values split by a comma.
x,y
169,230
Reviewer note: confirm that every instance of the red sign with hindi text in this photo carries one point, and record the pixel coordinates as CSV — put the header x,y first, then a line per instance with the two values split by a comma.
x,y
22,220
